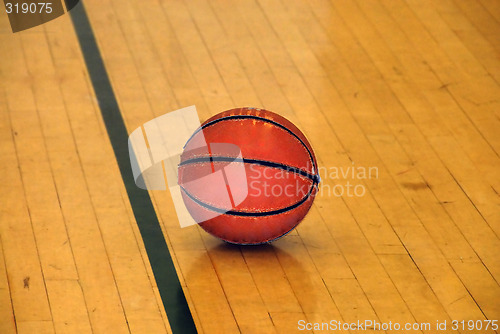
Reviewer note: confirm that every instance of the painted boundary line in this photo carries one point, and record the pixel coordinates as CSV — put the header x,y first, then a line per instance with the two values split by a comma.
x,y
173,298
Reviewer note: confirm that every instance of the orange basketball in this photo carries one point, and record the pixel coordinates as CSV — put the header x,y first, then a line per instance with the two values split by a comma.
x,y
253,181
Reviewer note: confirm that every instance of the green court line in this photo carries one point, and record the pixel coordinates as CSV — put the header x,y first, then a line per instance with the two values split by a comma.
x,y
173,298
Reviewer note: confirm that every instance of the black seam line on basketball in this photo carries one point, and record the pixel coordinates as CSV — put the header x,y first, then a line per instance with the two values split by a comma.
x,y
258,118
172,295
250,214
287,168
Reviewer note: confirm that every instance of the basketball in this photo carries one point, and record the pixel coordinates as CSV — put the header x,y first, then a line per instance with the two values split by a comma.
x,y
268,176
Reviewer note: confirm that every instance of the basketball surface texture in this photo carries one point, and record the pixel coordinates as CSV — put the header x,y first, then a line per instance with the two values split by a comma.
x,y
261,155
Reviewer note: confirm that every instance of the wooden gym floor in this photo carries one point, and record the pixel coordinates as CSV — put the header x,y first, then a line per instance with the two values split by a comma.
x,y
409,87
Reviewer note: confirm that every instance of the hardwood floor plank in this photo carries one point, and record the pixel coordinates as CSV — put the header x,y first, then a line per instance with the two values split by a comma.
x,y
8,324
68,306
